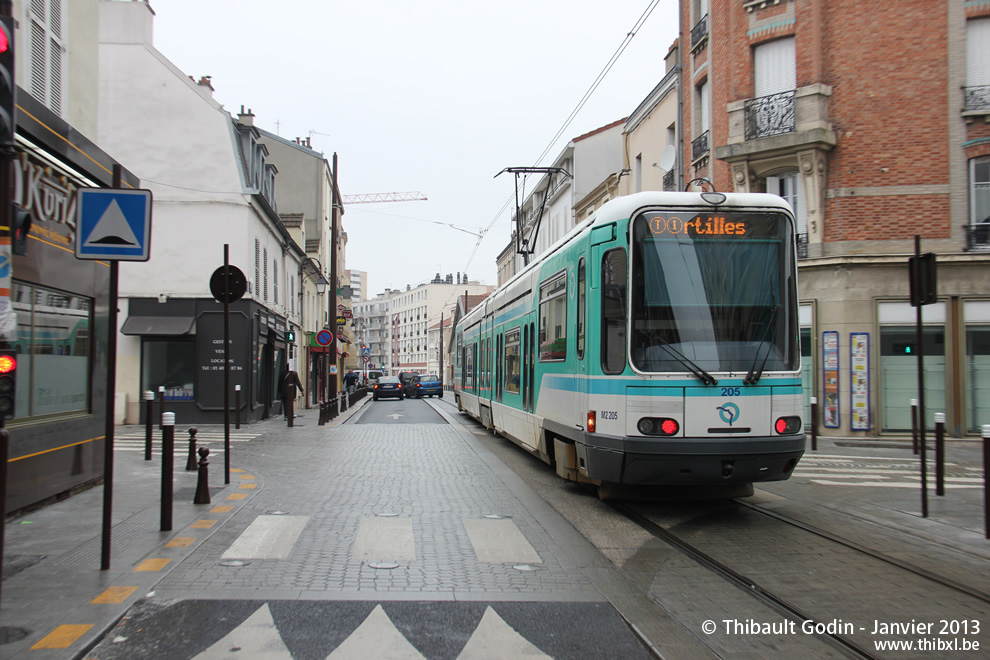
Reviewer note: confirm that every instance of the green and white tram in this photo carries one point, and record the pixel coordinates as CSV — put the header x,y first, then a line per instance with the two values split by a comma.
x,y
656,344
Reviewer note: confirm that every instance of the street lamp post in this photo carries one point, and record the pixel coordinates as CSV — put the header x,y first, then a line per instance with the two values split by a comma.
x,y
316,273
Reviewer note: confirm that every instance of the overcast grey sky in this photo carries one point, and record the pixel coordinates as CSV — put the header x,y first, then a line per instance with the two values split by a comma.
x,y
436,96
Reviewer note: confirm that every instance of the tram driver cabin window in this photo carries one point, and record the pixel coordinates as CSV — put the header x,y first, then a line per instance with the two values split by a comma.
x,y
553,319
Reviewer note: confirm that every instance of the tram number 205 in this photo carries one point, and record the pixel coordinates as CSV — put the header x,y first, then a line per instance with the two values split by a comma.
x,y
610,414
730,391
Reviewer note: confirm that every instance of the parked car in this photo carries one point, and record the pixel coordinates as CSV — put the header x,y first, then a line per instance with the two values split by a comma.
x,y
428,385
408,380
368,377
387,386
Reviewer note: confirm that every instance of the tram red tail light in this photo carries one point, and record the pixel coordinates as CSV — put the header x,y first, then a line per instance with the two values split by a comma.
x,y
592,421
787,425
658,426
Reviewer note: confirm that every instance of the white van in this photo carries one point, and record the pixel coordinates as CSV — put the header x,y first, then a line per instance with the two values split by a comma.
x,y
369,376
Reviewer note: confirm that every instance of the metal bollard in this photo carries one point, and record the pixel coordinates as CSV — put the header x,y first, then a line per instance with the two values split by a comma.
x,y
203,480
814,423
191,459
986,476
343,401
237,406
914,426
168,455
940,453
161,407
290,404
149,412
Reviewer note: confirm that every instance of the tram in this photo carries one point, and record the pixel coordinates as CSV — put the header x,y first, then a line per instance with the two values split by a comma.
x,y
656,344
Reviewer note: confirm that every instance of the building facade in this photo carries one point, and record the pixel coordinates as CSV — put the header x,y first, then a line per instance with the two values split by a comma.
x,y
871,120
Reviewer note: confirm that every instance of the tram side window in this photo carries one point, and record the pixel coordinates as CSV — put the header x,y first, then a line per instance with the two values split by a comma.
x,y
53,343
553,319
614,311
513,368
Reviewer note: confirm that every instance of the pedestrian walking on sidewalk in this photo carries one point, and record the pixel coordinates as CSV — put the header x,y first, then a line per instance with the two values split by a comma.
x,y
288,385
350,381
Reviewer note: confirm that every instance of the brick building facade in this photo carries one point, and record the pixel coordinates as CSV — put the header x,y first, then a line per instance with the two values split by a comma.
x,y
873,120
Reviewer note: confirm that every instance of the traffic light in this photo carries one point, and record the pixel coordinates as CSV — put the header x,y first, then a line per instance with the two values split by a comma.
x,y
20,227
8,384
290,336
7,85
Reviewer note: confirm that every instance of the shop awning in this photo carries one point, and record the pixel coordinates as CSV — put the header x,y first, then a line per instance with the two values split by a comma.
x,y
159,325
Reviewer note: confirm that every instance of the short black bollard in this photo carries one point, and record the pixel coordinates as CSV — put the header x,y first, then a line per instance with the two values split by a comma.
x,y
168,455
149,412
161,407
191,459
237,406
203,480
940,453
914,426
814,423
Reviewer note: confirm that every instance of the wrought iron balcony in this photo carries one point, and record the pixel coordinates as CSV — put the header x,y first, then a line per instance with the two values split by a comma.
x,y
699,31
770,115
978,236
699,146
670,180
977,98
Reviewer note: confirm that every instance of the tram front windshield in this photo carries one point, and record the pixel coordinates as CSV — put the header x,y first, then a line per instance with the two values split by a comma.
x,y
713,292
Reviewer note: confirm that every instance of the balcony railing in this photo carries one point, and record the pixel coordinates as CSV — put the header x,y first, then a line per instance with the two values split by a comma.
x,y
699,146
670,180
699,31
978,236
770,115
977,98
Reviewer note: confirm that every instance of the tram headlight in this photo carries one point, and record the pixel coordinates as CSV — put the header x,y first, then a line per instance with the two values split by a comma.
x,y
787,425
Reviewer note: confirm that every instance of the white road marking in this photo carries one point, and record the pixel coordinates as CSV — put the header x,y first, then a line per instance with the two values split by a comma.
x,y
500,542
494,638
268,537
384,539
257,637
376,637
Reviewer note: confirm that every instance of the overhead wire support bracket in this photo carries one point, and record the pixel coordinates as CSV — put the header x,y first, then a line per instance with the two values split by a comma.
x,y
527,246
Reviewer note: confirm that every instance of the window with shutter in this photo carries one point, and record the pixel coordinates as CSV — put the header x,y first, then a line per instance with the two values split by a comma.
x,y
977,52
774,67
48,52
264,289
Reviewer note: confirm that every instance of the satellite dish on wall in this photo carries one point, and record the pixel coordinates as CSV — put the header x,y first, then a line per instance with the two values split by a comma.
x,y
668,157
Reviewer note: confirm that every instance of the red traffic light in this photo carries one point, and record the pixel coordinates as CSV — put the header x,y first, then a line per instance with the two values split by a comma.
x,y
7,364
4,41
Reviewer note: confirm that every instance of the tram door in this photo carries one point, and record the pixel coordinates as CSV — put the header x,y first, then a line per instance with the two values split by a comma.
x,y
581,325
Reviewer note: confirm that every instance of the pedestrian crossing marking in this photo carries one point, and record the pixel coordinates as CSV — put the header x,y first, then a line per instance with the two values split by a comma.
x,y
257,636
494,638
881,472
152,564
114,595
267,537
384,539
499,542
376,637
62,637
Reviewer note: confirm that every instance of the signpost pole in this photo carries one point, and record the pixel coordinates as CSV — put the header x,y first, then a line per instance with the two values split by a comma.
x,y
226,363
118,174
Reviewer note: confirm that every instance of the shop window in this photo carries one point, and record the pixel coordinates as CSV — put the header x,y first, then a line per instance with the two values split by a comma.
x,y
170,364
807,372
899,374
977,376
53,346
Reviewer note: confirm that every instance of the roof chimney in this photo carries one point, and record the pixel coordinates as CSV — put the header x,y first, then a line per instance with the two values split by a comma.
x,y
246,118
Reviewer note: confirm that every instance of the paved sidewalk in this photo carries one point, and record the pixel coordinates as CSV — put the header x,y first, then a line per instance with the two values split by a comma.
x,y
55,600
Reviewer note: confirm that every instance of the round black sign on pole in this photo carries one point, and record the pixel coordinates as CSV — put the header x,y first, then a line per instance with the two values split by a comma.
x,y
238,284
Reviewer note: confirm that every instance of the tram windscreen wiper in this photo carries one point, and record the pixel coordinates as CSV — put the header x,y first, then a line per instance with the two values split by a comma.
x,y
755,374
700,373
